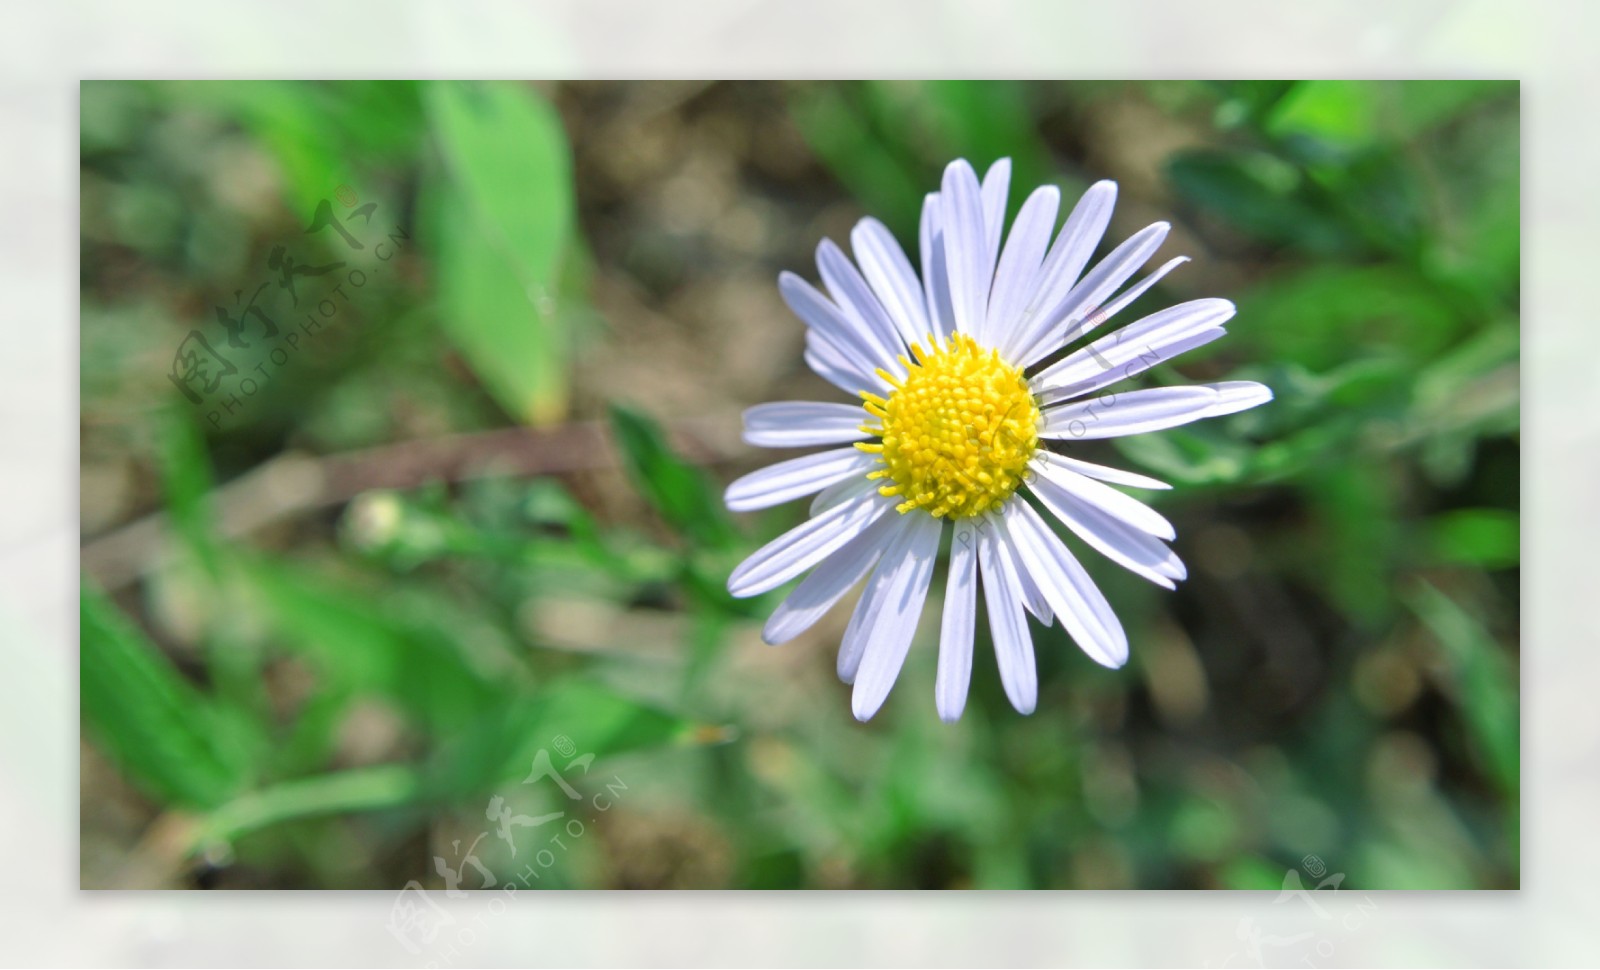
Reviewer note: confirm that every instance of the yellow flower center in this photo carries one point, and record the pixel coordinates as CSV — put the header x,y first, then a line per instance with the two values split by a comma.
x,y
957,431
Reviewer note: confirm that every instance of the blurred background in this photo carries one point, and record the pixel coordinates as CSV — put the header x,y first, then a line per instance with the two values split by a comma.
x,y
406,410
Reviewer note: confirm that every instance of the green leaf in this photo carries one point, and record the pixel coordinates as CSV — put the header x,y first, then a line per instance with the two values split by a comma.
x,y
500,745
870,163
1340,112
362,643
166,736
1486,538
1327,315
362,789
679,491
1262,196
1484,682
502,219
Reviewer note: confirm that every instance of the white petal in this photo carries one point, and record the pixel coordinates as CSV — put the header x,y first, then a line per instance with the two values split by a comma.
x,y
1131,412
1234,396
852,295
1019,263
1013,646
1048,470
996,190
832,578
955,631
795,478
1151,355
1074,246
1129,547
1127,296
1115,476
886,618
798,424
1074,316
1077,602
885,266
1138,345
841,490
935,271
852,341
805,545
830,364
970,265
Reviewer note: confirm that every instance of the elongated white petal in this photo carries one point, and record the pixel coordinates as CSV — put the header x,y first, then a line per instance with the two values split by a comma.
x,y
805,545
1013,646
1115,476
1234,396
851,293
996,190
886,617
839,491
797,424
886,268
1131,412
1077,602
1070,253
1127,296
1152,354
1116,350
1127,546
832,578
834,366
1074,316
935,270
1048,471
967,256
1019,263
956,630
1032,599
852,341
795,478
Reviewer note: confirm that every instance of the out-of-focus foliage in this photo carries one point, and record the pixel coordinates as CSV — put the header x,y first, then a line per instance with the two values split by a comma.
x,y
385,634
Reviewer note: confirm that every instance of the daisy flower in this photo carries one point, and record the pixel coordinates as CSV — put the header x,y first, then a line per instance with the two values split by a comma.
x,y
957,420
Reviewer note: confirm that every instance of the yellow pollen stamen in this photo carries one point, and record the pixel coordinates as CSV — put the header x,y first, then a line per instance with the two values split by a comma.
x,y
957,431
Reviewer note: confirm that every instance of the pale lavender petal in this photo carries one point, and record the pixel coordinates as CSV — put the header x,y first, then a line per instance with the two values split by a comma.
x,y
805,545
830,580
795,478
1077,602
798,424
886,618
885,266
1131,412
1019,264
1008,625
971,266
955,632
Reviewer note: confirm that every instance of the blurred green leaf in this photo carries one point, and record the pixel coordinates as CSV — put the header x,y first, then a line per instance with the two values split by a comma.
x,y
1486,538
680,492
357,790
164,734
871,163
1341,112
499,746
359,642
323,134
1484,681
502,222
1327,315
1262,196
